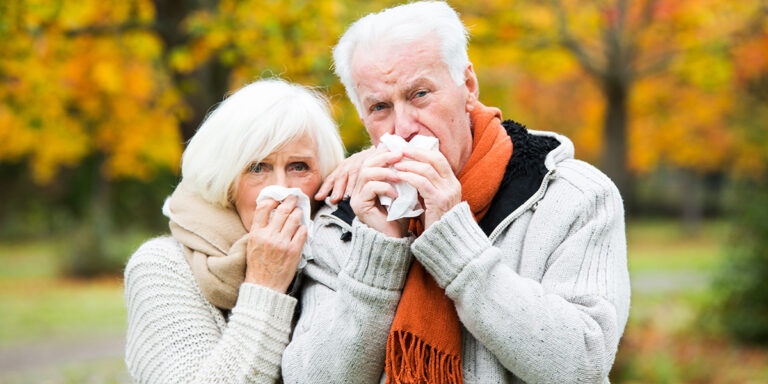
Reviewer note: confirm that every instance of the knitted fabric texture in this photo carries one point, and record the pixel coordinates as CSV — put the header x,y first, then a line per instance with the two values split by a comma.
x,y
214,242
424,344
544,299
175,335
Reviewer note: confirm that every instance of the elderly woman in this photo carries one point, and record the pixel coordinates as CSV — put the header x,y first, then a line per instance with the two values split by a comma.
x,y
209,302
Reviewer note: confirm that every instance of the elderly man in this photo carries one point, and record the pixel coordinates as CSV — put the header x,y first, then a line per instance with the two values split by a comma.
x,y
516,270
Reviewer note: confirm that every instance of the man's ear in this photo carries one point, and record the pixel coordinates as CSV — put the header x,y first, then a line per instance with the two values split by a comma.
x,y
473,90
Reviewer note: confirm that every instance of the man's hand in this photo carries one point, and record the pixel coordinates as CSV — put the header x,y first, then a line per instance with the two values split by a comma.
x,y
432,176
341,182
374,181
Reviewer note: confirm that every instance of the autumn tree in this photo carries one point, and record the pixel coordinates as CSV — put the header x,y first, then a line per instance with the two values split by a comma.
x,y
635,83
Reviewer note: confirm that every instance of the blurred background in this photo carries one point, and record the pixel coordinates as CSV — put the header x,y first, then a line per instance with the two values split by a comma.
x,y
668,97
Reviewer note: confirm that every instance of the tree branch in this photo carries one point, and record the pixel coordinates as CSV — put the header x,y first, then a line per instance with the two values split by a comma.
x,y
569,42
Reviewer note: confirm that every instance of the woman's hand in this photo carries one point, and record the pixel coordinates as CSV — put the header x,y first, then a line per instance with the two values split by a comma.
x,y
274,244
341,182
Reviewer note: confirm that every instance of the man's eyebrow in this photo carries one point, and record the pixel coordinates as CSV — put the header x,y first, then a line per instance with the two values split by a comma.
x,y
369,100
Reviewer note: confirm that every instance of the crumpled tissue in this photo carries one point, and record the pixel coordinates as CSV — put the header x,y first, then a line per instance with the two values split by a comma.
x,y
407,202
279,193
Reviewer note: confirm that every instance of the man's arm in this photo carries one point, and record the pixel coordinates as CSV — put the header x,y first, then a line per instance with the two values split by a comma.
x,y
563,328
345,318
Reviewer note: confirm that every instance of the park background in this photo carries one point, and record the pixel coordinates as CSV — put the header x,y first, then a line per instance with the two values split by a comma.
x,y
668,97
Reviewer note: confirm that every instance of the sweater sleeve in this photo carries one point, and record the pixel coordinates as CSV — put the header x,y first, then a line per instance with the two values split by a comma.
x,y
176,336
346,315
563,328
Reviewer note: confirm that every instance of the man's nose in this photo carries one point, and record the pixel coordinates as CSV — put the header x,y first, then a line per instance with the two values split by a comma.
x,y
406,125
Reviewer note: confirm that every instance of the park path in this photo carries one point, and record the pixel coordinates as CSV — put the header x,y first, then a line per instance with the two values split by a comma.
x,y
44,354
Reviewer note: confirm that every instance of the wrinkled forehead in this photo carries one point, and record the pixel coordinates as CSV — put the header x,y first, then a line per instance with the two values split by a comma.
x,y
396,63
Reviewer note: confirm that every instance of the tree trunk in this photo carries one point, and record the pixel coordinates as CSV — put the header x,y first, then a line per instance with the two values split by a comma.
x,y
614,157
206,85
692,199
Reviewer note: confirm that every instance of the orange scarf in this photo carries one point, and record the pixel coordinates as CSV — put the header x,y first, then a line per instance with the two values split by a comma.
x,y
424,343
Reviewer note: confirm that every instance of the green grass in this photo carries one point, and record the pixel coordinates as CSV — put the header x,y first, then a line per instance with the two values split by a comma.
x,y
29,259
655,245
36,309
39,304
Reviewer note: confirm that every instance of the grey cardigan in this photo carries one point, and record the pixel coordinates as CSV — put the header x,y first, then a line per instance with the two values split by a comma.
x,y
543,299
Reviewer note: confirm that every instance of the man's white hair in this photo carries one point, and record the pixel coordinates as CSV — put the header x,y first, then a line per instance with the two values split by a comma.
x,y
404,24
254,122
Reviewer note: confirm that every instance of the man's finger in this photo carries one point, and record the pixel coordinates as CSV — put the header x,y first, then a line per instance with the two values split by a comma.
x,y
383,159
423,185
423,169
435,158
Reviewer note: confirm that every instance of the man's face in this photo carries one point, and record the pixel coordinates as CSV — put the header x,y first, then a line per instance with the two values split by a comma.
x,y
407,90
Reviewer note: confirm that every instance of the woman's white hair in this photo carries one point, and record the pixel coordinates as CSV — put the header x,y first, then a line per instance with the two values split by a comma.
x,y
248,126
407,23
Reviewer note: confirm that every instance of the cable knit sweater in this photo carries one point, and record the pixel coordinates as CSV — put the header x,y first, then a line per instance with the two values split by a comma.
x,y
176,336
544,298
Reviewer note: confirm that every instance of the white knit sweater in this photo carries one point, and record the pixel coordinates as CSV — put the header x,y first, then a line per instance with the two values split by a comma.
x,y
543,299
176,336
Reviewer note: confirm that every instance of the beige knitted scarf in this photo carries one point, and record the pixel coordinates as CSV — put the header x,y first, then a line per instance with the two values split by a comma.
x,y
214,241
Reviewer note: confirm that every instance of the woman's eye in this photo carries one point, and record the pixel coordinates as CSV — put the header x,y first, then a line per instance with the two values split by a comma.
x,y
258,168
299,167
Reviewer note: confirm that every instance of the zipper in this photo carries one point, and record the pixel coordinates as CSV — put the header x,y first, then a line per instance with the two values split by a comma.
x,y
534,199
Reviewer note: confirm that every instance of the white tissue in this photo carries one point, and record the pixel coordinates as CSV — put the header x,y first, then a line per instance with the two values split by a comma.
x,y
407,202
279,193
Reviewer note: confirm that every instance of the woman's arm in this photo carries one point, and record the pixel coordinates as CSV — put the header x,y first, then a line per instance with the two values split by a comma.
x,y
176,336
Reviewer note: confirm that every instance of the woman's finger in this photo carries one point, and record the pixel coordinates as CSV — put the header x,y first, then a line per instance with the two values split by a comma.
x,y
292,223
327,186
351,182
281,213
297,243
339,186
261,213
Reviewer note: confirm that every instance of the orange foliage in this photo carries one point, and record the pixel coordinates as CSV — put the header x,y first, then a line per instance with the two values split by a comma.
x,y
90,76
75,84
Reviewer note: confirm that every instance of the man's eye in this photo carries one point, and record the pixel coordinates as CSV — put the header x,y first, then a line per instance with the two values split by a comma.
x,y
258,168
421,93
299,167
378,107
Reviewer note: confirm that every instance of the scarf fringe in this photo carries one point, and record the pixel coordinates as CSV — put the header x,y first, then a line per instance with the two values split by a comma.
x,y
412,361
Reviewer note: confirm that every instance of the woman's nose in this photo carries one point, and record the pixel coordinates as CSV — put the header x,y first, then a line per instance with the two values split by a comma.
x,y
281,179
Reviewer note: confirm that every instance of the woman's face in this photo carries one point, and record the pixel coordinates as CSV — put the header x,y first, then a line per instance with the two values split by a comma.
x,y
294,166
